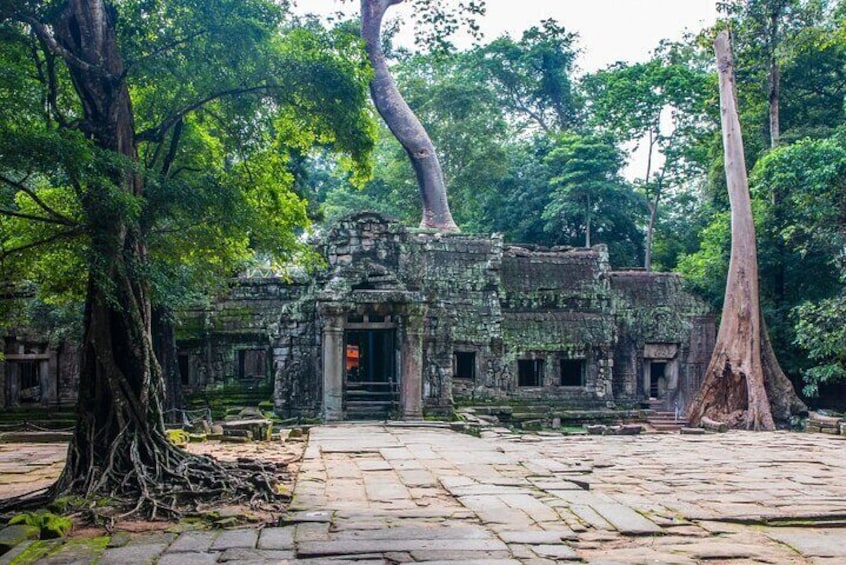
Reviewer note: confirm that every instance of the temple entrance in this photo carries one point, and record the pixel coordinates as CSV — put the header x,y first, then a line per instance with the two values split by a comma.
x,y
371,390
657,379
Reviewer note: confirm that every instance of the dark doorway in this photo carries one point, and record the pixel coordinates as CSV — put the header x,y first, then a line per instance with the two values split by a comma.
x,y
184,369
572,372
370,377
657,372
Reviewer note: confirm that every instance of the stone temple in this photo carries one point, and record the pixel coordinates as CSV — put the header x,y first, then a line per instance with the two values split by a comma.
x,y
403,323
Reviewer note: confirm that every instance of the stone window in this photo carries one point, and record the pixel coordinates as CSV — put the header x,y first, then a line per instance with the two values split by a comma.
x,y
530,372
464,365
572,372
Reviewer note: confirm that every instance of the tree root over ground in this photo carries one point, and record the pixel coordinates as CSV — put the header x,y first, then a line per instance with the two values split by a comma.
x,y
173,485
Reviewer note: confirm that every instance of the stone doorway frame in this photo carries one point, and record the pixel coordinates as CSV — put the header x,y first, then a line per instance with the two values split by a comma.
x,y
409,318
667,354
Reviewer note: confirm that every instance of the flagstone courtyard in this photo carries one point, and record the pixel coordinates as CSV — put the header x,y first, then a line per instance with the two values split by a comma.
x,y
369,493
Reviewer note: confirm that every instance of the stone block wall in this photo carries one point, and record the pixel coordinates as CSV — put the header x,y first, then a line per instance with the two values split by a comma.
x,y
499,306
653,313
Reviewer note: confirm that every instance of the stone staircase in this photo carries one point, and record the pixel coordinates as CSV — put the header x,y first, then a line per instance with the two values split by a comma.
x,y
664,421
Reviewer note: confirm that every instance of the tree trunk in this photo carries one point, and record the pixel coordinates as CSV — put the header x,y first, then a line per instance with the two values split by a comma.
x,y
119,450
164,347
650,232
774,77
653,207
742,369
402,122
774,102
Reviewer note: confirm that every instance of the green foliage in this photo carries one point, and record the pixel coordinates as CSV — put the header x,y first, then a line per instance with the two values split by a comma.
x,y
821,332
705,270
226,100
590,202
179,438
662,108
50,525
532,79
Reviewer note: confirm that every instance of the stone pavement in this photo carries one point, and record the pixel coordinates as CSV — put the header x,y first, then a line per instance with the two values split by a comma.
x,y
370,494
25,467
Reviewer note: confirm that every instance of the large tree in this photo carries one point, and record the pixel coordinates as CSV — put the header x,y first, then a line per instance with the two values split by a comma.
x,y
403,123
126,109
743,384
659,106
590,202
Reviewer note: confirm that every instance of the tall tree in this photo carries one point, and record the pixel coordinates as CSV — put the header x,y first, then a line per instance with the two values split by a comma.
x,y
743,385
533,77
590,202
403,123
72,167
659,104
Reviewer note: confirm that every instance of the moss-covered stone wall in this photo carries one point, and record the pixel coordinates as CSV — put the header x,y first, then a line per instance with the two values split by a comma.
x,y
494,303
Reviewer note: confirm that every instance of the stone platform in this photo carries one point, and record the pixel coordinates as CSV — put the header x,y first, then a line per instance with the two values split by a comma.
x,y
370,494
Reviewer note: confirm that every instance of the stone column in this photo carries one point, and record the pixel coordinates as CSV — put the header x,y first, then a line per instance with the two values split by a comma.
x,y
333,367
44,382
411,393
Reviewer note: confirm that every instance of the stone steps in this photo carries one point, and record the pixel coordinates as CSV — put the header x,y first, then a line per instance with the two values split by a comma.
x,y
663,421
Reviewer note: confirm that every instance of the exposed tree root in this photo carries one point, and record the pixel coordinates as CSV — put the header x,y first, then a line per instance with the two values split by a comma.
x,y
176,484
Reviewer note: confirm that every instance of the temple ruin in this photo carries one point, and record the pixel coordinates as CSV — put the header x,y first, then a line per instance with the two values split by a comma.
x,y
404,323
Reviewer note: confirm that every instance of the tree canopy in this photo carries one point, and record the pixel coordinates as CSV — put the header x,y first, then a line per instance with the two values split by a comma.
x,y
145,148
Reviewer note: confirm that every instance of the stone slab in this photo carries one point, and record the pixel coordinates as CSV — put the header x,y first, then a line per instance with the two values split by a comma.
x,y
460,556
473,562
415,533
625,520
10,536
319,516
233,539
276,538
352,547
248,555
189,558
137,554
531,537
557,552
813,543
13,553
193,541
590,516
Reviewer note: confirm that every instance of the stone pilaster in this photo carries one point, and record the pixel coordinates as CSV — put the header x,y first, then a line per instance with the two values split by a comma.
x,y
333,367
411,392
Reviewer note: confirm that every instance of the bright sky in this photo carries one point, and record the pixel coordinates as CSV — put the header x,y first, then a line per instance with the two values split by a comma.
x,y
609,30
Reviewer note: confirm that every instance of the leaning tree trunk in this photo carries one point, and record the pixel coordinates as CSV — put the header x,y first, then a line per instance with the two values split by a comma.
x,y
119,450
402,122
743,369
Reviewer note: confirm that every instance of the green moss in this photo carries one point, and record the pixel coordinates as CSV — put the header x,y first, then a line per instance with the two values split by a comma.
x,y
179,438
90,547
51,526
34,552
